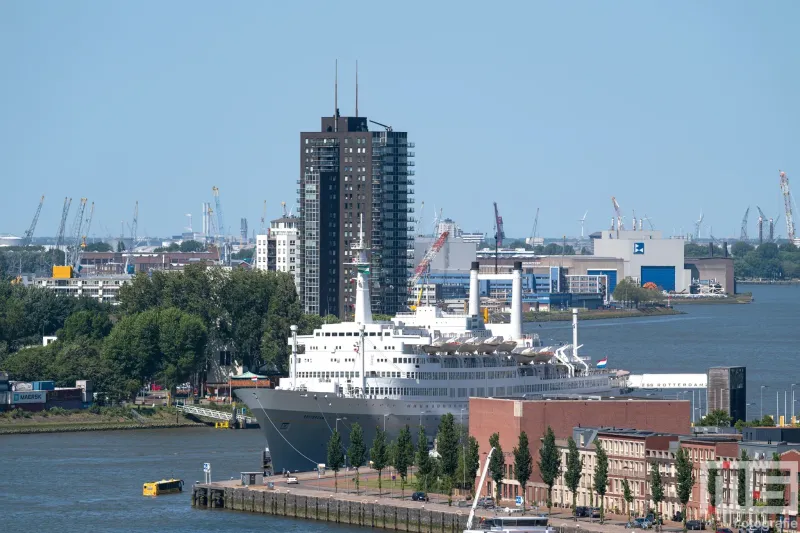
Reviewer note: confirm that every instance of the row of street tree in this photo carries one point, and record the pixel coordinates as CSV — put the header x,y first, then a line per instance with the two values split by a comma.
x,y
453,466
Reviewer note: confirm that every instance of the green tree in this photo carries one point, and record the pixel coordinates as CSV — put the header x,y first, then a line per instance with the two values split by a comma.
x,y
284,310
357,450
740,248
549,464
192,246
767,250
120,246
379,455
627,495
404,456
182,342
776,488
472,462
99,247
711,487
684,474
335,457
741,479
574,470
447,444
717,417
601,476
523,464
92,324
656,489
497,465
423,460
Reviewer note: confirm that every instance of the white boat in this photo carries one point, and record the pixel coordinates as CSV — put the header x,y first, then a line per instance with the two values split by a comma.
x,y
410,371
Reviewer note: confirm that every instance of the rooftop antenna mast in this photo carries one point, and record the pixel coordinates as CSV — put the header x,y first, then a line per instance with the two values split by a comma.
x,y
356,88
336,98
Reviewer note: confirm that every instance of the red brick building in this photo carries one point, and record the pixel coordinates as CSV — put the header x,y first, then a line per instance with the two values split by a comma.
x,y
509,417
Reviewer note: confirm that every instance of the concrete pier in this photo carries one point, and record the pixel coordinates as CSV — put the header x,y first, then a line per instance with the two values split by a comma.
x,y
362,510
386,513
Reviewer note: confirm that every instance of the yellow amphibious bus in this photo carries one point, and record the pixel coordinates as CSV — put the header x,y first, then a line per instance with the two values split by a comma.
x,y
165,486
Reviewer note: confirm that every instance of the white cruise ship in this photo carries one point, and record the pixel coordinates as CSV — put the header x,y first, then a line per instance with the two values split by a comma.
x,y
409,371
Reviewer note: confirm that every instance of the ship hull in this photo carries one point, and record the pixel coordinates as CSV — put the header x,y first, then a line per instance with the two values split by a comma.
x,y
298,425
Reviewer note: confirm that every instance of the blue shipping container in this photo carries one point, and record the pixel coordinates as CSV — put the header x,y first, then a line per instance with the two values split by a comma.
x,y
44,385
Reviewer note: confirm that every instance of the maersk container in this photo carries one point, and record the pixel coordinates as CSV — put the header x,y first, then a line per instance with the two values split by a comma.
x,y
44,385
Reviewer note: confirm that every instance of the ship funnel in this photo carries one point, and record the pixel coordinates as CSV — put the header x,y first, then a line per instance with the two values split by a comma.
x,y
474,290
363,311
516,301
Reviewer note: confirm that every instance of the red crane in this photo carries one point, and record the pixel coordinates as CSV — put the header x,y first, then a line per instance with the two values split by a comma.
x,y
426,260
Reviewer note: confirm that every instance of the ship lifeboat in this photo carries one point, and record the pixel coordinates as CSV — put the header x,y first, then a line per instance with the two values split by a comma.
x,y
490,344
506,346
470,346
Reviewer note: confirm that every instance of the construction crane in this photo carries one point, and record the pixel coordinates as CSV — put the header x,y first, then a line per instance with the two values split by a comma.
x,y
28,237
218,206
134,225
427,258
86,230
787,204
420,226
743,234
532,239
618,212
697,226
264,219
62,226
243,231
649,222
387,128
75,235
499,235
761,218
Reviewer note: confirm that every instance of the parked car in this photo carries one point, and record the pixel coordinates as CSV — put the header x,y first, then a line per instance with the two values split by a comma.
x,y
486,503
595,512
695,525
582,511
641,523
292,480
419,496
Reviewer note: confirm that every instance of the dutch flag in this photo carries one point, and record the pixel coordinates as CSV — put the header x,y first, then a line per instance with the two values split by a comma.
x,y
602,362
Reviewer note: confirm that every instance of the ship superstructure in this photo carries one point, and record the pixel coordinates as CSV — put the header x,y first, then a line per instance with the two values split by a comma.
x,y
409,371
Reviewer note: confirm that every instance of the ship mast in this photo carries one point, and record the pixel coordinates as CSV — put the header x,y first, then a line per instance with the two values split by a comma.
x,y
363,311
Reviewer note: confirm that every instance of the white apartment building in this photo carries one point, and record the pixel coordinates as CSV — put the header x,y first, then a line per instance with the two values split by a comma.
x,y
280,249
103,288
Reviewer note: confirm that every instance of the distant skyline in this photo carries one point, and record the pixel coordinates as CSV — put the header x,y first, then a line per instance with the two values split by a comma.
x,y
675,108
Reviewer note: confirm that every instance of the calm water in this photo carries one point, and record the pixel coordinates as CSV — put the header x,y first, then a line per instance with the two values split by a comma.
x,y
92,481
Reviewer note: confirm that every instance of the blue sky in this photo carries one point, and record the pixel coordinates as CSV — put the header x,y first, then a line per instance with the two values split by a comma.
x,y
673,107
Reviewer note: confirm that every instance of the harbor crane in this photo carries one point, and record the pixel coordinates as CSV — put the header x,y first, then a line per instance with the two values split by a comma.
x,y
499,235
649,222
264,219
761,218
532,238
86,230
28,237
63,225
787,204
427,258
618,211
218,207
743,234
75,235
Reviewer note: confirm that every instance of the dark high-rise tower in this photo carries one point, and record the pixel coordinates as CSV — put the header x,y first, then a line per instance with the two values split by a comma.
x,y
348,172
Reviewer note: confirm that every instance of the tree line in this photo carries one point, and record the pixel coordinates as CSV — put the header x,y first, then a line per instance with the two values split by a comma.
x,y
165,328
634,295
453,466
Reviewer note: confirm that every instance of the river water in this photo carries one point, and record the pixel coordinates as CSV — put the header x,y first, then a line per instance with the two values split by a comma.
x,y
93,481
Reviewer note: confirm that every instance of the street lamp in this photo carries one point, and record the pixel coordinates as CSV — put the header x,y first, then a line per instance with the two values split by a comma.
x,y
420,417
793,386
746,411
761,412
384,421
337,422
